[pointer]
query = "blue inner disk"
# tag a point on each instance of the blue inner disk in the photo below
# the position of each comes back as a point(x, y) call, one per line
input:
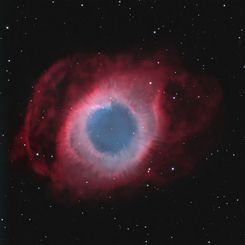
point(111, 128)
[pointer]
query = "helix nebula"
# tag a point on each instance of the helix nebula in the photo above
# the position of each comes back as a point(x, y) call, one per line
point(103, 124)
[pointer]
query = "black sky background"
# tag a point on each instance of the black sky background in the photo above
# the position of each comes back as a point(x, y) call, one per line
point(207, 207)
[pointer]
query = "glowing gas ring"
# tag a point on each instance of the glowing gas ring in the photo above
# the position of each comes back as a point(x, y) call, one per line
point(97, 123)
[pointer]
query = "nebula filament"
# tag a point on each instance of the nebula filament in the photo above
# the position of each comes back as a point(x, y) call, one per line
point(96, 124)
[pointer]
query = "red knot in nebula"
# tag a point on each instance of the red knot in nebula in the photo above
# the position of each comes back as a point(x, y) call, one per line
point(99, 124)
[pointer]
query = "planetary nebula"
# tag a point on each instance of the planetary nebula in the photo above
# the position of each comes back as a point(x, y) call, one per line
point(97, 124)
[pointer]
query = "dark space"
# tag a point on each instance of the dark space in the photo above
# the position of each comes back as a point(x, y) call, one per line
point(206, 207)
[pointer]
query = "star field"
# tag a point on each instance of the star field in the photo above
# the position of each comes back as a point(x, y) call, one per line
point(206, 207)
